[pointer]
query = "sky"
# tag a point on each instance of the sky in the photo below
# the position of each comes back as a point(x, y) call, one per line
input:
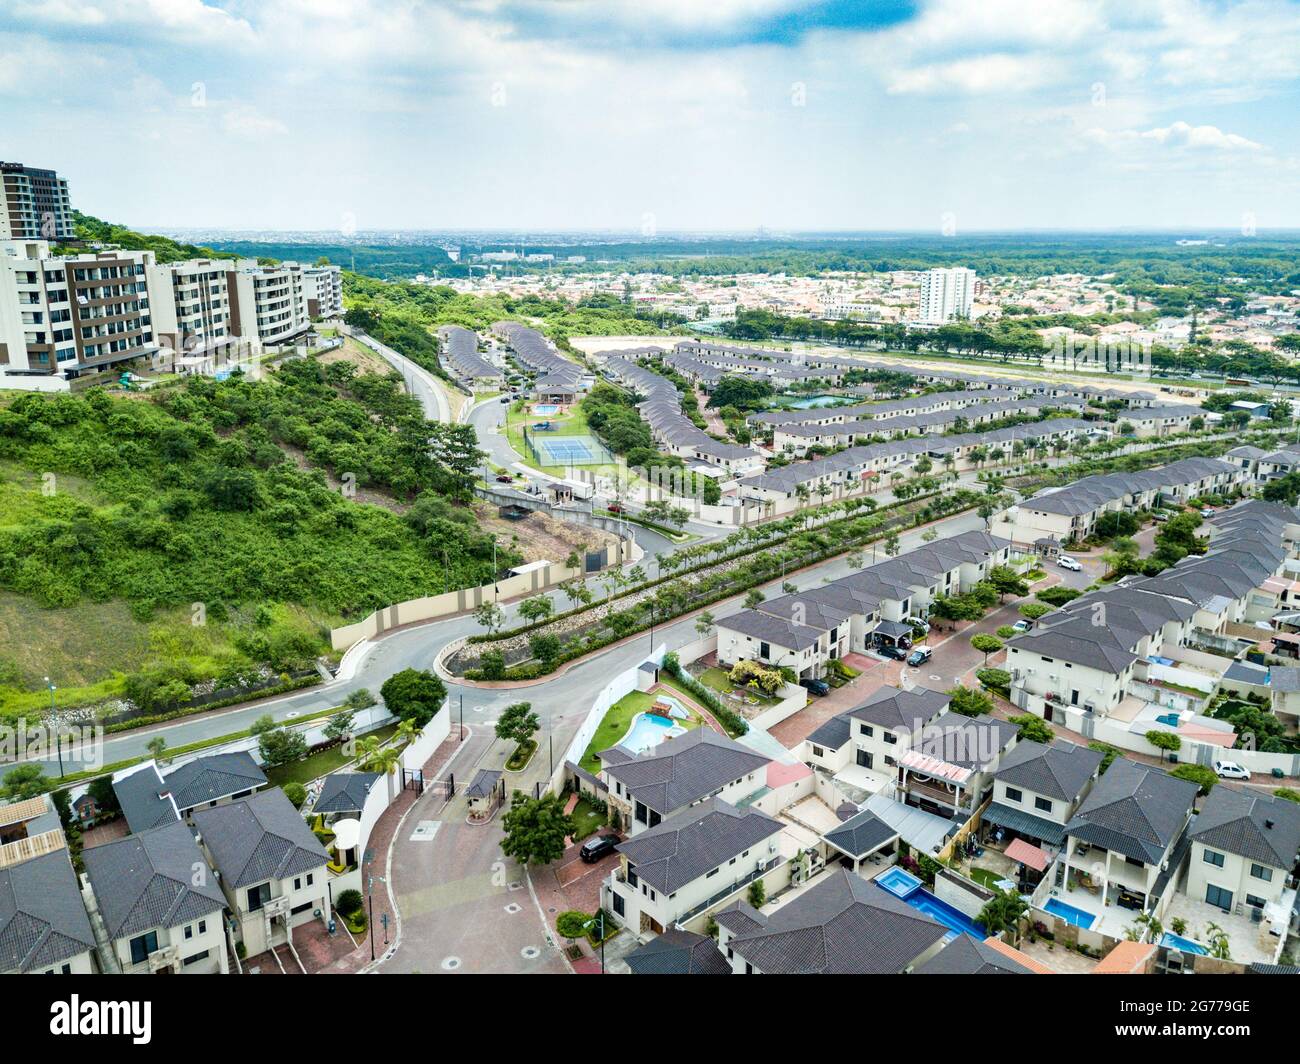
point(651, 116)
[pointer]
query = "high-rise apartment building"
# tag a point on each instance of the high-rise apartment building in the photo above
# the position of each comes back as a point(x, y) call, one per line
point(946, 294)
point(267, 303)
point(34, 204)
point(190, 302)
point(322, 287)
point(69, 316)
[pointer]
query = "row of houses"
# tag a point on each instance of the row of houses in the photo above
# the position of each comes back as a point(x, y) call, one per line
point(558, 380)
point(1070, 514)
point(661, 409)
point(874, 606)
point(460, 355)
point(217, 866)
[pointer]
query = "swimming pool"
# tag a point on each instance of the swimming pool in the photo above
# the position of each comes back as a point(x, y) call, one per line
point(1069, 913)
point(898, 881)
point(545, 408)
point(902, 884)
point(813, 402)
point(648, 731)
point(1186, 945)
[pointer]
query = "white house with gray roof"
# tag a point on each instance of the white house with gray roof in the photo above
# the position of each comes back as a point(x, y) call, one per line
point(272, 868)
point(691, 862)
point(1245, 847)
point(680, 772)
point(159, 901)
point(1037, 789)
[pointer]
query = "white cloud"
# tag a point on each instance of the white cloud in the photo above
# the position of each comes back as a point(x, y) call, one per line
point(1176, 135)
point(981, 74)
point(242, 120)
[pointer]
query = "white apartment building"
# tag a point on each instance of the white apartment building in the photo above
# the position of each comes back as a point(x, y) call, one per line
point(33, 204)
point(322, 288)
point(190, 302)
point(67, 316)
point(268, 303)
point(946, 294)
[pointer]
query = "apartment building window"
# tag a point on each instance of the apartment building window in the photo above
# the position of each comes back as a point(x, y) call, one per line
point(142, 946)
point(1213, 857)
point(1259, 871)
point(1045, 804)
point(710, 875)
point(1014, 795)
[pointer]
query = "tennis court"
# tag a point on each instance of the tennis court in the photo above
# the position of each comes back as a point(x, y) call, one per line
point(569, 450)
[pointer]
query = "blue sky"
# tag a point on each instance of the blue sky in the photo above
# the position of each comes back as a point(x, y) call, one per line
point(660, 115)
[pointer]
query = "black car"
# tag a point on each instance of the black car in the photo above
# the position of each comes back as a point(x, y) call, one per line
point(594, 849)
point(816, 687)
point(897, 653)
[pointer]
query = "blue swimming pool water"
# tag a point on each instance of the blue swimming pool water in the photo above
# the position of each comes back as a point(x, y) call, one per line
point(813, 402)
point(648, 731)
point(1069, 913)
point(1186, 945)
point(546, 408)
point(898, 881)
point(957, 921)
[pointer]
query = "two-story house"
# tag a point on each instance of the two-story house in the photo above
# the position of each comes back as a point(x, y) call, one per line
point(873, 734)
point(949, 770)
point(647, 789)
point(1037, 789)
point(272, 867)
point(1245, 846)
point(689, 863)
point(159, 901)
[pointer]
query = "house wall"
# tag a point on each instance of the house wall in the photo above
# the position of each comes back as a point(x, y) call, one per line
point(1059, 813)
point(81, 964)
point(211, 939)
point(1235, 876)
point(252, 925)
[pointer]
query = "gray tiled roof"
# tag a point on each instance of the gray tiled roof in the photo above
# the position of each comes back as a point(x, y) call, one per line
point(1135, 810)
point(888, 707)
point(842, 926)
point(205, 779)
point(965, 955)
point(42, 918)
point(968, 742)
point(344, 792)
point(1008, 816)
point(1256, 826)
point(860, 834)
point(144, 799)
point(771, 629)
point(485, 781)
point(685, 769)
point(149, 880)
point(1060, 770)
point(695, 841)
point(678, 952)
point(259, 838)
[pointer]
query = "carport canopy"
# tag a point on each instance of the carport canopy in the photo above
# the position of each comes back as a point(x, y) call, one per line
point(1027, 854)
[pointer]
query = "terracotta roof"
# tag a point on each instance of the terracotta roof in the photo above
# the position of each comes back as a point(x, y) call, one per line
point(1128, 958)
point(1037, 967)
point(1020, 850)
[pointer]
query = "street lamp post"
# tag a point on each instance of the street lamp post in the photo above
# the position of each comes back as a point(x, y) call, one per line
point(602, 937)
point(58, 735)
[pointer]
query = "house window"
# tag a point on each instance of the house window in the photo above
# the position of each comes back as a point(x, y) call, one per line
point(864, 758)
point(203, 927)
point(1045, 804)
point(311, 876)
point(710, 875)
point(194, 958)
point(189, 931)
point(1014, 795)
point(297, 883)
point(618, 904)
point(1263, 872)
point(1220, 897)
point(642, 814)
point(632, 876)
point(1213, 857)
point(142, 946)
point(764, 650)
point(1134, 862)
point(890, 738)
point(258, 896)
point(1258, 903)
point(866, 729)
point(818, 752)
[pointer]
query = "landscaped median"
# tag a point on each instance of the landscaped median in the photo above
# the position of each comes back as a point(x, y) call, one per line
point(717, 570)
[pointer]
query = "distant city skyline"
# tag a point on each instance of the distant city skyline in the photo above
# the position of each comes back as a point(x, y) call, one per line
point(800, 116)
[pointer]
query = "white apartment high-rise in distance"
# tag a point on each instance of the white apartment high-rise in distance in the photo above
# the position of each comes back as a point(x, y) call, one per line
point(946, 294)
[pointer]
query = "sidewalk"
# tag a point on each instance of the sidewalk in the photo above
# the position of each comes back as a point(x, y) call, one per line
point(377, 846)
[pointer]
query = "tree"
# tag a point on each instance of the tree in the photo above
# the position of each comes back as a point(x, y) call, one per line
point(1059, 595)
point(1202, 775)
point(969, 702)
point(1033, 728)
point(295, 792)
point(517, 723)
point(1003, 912)
point(414, 694)
point(572, 924)
point(102, 794)
point(535, 609)
point(1165, 742)
point(23, 782)
point(994, 679)
point(490, 616)
point(158, 745)
point(1217, 939)
point(535, 829)
point(279, 746)
point(340, 725)
point(986, 644)
point(373, 756)
point(704, 624)
point(892, 546)
point(753, 599)
point(1007, 581)
point(757, 893)
point(1033, 610)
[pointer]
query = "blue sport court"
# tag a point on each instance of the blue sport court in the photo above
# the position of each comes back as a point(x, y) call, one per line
point(569, 450)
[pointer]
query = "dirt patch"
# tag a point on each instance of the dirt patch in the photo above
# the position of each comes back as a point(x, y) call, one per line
point(363, 358)
point(539, 537)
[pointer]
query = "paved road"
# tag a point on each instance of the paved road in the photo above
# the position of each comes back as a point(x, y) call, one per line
point(419, 381)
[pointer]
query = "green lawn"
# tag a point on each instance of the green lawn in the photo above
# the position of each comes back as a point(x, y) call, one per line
point(716, 678)
point(321, 764)
point(586, 820)
point(984, 877)
point(619, 718)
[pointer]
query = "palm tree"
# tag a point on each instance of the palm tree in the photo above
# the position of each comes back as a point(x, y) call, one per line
point(375, 758)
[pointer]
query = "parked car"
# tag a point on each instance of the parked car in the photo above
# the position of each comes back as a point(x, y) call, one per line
point(505, 478)
point(919, 656)
point(1066, 562)
point(1023, 625)
point(897, 653)
point(594, 849)
point(1230, 770)
point(919, 622)
point(815, 687)
point(615, 508)
point(1207, 512)
point(505, 399)
point(1160, 515)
